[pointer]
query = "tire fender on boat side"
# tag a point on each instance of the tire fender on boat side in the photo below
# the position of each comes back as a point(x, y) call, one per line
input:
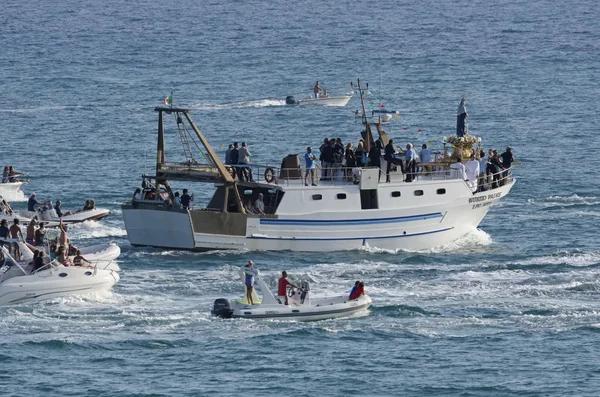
point(270, 175)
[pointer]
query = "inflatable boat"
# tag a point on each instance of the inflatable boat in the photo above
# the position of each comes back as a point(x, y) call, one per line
point(301, 306)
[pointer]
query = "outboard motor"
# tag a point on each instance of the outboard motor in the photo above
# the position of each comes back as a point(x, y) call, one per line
point(290, 100)
point(222, 308)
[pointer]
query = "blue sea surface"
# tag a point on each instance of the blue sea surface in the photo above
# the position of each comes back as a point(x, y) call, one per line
point(509, 310)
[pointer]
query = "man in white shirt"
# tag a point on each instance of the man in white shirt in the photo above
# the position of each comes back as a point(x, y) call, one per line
point(472, 170)
point(259, 205)
point(457, 170)
point(425, 157)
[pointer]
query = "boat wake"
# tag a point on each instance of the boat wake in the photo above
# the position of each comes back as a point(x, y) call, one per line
point(14, 196)
point(258, 103)
point(91, 229)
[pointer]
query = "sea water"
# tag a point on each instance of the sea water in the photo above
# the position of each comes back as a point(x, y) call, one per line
point(511, 309)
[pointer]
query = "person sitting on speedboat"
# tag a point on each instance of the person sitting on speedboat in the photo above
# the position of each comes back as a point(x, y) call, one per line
point(39, 261)
point(32, 202)
point(6, 175)
point(360, 290)
point(354, 288)
point(79, 260)
point(282, 286)
point(59, 212)
point(62, 256)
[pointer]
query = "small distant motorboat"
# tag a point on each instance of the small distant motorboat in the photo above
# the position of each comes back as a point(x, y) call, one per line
point(18, 284)
point(341, 100)
point(46, 213)
point(301, 305)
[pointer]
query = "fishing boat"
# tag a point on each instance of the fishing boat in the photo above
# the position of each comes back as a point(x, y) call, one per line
point(341, 100)
point(299, 305)
point(353, 209)
point(19, 284)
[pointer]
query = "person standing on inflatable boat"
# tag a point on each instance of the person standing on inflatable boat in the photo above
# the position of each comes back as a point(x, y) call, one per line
point(249, 281)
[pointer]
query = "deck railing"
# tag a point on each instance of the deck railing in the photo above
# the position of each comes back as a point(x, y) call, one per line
point(340, 175)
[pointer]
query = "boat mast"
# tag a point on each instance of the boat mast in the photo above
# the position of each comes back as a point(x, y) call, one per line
point(369, 136)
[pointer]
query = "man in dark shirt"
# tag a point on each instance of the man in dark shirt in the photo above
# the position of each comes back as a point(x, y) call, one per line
point(59, 212)
point(327, 159)
point(185, 200)
point(389, 153)
point(507, 157)
point(3, 231)
point(495, 166)
point(375, 158)
point(32, 202)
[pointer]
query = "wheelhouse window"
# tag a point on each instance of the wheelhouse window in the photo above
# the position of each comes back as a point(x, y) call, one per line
point(441, 191)
point(341, 196)
point(396, 194)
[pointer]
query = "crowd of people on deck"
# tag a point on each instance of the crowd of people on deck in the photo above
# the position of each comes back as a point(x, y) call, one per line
point(239, 159)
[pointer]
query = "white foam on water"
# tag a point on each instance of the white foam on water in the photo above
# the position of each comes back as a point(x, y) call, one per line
point(475, 240)
point(259, 103)
point(565, 201)
point(581, 259)
point(14, 196)
point(95, 229)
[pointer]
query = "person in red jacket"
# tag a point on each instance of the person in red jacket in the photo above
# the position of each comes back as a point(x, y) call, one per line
point(282, 286)
point(360, 290)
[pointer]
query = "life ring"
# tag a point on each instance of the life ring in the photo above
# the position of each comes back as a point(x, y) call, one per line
point(270, 175)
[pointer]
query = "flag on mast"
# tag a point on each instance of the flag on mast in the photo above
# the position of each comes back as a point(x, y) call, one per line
point(169, 100)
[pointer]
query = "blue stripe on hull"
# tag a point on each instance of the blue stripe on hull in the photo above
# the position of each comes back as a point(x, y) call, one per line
point(350, 238)
point(337, 222)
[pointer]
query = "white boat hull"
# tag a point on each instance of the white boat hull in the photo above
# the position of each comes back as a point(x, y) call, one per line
point(329, 101)
point(412, 227)
point(77, 217)
point(339, 307)
point(51, 283)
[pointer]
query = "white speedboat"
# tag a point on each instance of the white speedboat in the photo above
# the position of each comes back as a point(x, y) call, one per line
point(47, 213)
point(10, 189)
point(301, 305)
point(19, 285)
point(341, 100)
point(101, 255)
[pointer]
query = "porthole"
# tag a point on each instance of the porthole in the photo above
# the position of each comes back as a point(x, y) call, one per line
point(88, 273)
point(441, 191)
point(418, 192)
point(395, 194)
point(62, 274)
point(341, 196)
point(317, 196)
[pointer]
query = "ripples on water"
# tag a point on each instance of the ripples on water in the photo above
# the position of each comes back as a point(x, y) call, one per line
point(510, 309)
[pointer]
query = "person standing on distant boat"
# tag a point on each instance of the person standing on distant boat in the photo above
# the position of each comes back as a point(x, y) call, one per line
point(317, 90)
point(461, 119)
point(249, 281)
